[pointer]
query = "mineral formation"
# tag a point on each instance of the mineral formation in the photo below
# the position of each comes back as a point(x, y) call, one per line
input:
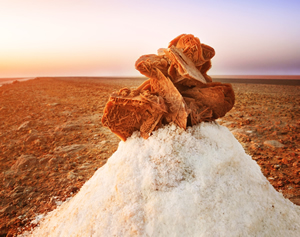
point(178, 90)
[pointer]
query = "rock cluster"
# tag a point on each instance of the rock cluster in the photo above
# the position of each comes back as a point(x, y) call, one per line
point(178, 90)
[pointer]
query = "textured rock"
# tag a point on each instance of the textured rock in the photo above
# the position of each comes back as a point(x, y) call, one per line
point(68, 127)
point(72, 175)
point(25, 162)
point(56, 160)
point(178, 91)
point(69, 149)
point(25, 125)
point(273, 143)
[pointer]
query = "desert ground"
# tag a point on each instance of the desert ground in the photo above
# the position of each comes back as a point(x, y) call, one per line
point(52, 140)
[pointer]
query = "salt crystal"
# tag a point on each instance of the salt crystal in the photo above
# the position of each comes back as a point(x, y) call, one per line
point(198, 182)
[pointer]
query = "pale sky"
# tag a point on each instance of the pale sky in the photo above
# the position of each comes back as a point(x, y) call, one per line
point(105, 38)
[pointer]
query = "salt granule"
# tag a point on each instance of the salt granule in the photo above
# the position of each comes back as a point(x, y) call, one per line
point(198, 182)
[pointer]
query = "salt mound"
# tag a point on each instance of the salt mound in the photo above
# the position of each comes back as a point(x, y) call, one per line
point(198, 182)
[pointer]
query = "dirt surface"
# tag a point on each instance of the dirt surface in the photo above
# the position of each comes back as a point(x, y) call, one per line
point(52, 140)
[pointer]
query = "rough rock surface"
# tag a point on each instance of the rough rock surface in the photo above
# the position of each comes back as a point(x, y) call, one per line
point(178, 91)
point(274, 144)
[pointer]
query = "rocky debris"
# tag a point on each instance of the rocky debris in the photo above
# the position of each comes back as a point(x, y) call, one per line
point(271, 108)
point(33, 138)
point(85, 166)
point(25, 125)
point(71, 175)
point(53, 104)
point(240, 132)
point(69, 149)
point(68, 127)
point(296, 200)
point(44, 159)
point(25, 162)
point(274, 144)
point(56, 160)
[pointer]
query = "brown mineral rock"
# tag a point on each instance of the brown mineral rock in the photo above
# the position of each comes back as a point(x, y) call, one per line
point(199, 54)
point(178, 91)
point(183, 66)
point(128, 111)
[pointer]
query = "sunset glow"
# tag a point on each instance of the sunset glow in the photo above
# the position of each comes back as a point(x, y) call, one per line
point(105, 38)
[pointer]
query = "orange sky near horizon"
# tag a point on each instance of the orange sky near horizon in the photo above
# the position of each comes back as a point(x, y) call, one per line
point(105, 38)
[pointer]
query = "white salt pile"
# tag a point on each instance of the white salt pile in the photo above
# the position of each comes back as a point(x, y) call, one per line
point(197, 182)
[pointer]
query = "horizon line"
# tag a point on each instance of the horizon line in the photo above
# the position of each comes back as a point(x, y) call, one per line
point(224, 76)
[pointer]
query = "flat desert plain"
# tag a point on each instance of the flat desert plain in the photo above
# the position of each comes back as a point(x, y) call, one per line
point(52, 140)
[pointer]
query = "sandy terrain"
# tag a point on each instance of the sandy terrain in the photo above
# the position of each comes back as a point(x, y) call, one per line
point(52, 140)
